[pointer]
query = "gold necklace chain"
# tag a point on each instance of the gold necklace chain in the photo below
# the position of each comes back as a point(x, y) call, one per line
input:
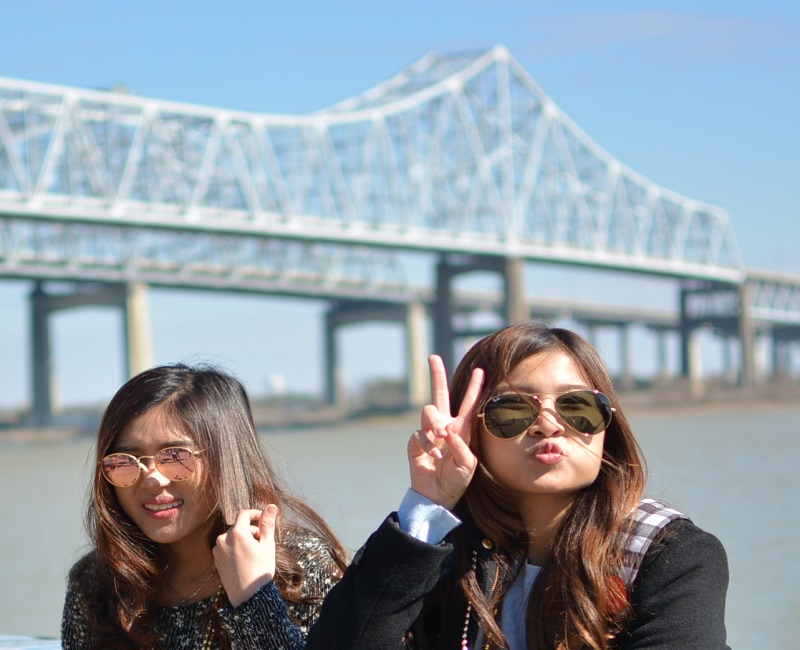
point(185, 601)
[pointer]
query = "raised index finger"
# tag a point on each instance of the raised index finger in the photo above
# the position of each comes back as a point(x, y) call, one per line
point(441, 395)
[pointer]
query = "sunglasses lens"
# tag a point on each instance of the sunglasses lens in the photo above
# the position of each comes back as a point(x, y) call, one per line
point(175, 463)
point(507, 416)
point(121, 470)
point(585, 411)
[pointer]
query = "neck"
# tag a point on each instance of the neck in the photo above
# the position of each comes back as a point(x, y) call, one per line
point(188, 572)
point(542, 515)
point(189, 556)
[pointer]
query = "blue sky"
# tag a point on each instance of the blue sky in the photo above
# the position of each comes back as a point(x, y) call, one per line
point(700, 97)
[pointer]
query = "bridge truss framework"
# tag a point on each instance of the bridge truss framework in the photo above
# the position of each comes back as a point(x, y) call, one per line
point(461, 157)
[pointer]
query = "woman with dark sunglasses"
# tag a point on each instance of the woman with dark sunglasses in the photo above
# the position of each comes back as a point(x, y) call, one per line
point(177, 560)
point(526, 527)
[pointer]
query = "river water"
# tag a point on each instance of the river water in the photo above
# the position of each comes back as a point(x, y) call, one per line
point(732, 469)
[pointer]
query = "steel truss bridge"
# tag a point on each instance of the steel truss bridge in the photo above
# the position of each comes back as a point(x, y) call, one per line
point(463, 158)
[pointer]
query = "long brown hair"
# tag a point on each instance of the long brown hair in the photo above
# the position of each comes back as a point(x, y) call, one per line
point(577, 600)
point(213, 409)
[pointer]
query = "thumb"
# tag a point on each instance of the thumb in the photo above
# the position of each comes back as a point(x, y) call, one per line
point(266, 523)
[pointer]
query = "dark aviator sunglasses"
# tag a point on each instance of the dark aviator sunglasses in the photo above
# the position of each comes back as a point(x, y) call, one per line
point(585, 411)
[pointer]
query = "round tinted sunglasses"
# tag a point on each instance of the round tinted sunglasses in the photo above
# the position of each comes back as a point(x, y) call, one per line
point(173, 463)
point(585, 411)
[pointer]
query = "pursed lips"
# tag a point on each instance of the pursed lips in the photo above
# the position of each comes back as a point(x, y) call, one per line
point(547, 452)
point(546, 447)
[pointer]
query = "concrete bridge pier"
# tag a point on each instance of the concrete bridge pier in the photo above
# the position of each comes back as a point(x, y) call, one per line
point(726, 308)
point(449, 266)
point(419, 384)
point(783, 339)
point(626, 379)
point(662, 358)
point(730, 372)
point(781, 358)
point(41, 413)
point(131, 298)
point(412, 316)
point(686, 329)
point(137, 333)
point(747, 336)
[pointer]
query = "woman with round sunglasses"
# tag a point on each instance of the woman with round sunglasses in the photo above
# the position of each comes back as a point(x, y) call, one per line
point(525, 526)
point(195, 543)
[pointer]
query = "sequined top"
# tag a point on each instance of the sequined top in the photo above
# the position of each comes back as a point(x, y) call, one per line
point(263, 621)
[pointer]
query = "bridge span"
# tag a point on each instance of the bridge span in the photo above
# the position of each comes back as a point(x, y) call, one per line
point(463, 159)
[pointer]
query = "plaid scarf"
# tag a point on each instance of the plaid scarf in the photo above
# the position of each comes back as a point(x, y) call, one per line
point(650, 518)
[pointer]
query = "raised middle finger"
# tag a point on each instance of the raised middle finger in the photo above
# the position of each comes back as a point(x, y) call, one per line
point(472, 394)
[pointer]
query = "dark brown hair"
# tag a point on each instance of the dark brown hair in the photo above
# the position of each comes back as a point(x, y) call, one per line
point(213, 409)
point(575, 602)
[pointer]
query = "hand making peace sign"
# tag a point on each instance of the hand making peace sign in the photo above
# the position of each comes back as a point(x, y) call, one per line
point(439, 458)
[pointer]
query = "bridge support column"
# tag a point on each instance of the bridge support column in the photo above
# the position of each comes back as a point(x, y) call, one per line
point(685, 332)
point(411, 316)
point(416, 347)
point(730, 372)
point(747, 335)
point(781, 359)
point(691, 357)
point(138, 343)
point(515, 304)
point(726, 308)
point(443, 330)
point(131, 299)
point(696, 384)
point(335, 393)
point(784, 340)
point(41, 413)
point(662, 368)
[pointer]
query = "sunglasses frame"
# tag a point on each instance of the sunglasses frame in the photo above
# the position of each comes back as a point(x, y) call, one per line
point(602, 398)
point(140, 465)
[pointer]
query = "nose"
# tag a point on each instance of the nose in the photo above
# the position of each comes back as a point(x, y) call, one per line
point(548, 423)
point(152, 476)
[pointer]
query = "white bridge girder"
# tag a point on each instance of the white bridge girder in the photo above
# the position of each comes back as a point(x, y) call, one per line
point(454, 154)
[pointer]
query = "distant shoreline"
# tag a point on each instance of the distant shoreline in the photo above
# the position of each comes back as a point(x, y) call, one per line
point(652, 401)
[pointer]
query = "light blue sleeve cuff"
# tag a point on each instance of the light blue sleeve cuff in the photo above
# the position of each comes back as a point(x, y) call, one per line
point(423, 519)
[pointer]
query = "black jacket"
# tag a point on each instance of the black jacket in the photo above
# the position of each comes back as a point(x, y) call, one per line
point(678, 597)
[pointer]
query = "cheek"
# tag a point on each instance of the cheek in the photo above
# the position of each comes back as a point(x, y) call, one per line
point(203, 492)
point(201, 481)
point(125, 499)
point(496, 454)
point(593, 458)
